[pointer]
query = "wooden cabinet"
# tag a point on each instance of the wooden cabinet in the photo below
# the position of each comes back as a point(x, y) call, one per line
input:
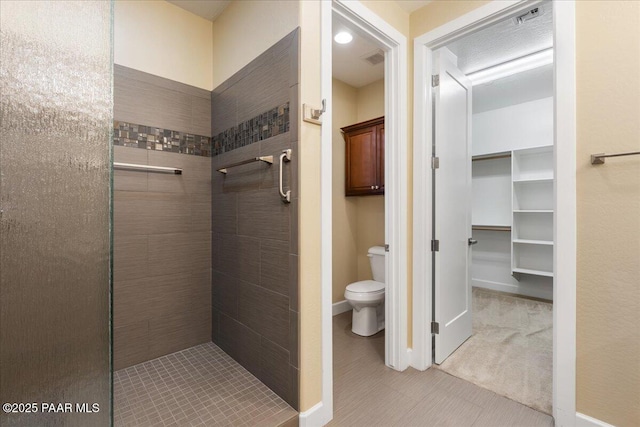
point(364, 172)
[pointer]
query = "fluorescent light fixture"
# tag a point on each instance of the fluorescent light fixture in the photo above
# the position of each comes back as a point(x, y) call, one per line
point(524, 63)
point(343, 37)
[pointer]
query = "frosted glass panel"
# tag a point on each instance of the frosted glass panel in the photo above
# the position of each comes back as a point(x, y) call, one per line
point(55, 173)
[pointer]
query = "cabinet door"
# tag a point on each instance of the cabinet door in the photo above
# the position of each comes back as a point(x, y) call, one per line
point(361, 164)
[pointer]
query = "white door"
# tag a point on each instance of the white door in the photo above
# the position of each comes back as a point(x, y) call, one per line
point(452, 209)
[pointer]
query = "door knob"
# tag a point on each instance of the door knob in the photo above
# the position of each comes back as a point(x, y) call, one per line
point(472, 241)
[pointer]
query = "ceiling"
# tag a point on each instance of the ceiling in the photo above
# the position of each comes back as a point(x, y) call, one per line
point(412, 5)
point(348, 63)
point(209, 9)
point(504, 41)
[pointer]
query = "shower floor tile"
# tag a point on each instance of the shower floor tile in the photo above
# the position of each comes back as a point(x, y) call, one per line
point(199, 386)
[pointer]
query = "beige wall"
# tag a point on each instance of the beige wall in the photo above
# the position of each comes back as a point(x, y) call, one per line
point(358, 222)
point(246, 29)
point(608, 345)
point(309, 211)
point(160, 38)
point(370, 218)
point(345, 209)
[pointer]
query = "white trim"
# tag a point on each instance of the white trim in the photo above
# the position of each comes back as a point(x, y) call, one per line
point(326, 218)
point(341, 307)
point(313, 417)
point(564, 374)
point(395, 45)
point(526, 289)
point(564, 224)
point(583, 420)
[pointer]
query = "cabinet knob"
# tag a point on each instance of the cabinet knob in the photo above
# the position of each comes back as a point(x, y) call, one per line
point(373, 187)
point(377, 187)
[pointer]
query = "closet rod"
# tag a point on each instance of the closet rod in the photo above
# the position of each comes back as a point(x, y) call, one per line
point(491, 157)
point(491, 227)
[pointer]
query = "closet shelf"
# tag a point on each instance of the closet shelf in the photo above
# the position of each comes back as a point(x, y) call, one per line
point(534, 242)
point(533, 211)
point(534, 272)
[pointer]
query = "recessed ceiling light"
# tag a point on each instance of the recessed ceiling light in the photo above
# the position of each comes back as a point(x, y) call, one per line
point(343, 37)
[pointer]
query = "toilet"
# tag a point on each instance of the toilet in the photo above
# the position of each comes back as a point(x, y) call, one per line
point(367, 297)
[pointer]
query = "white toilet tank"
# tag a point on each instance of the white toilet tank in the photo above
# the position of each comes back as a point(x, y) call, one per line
point(376, 258)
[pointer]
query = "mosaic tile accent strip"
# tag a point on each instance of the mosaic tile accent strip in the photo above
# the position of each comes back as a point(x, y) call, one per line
point(263, 126)
point(153, 138)
point(201, 385)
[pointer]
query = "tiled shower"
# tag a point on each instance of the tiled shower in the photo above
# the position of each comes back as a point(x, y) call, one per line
point(205, 263)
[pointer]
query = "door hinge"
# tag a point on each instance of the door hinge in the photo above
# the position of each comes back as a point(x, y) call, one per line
point(435, 245)
point(435, 80)
point(435, 327)
point(386, 248)
point(435, 162)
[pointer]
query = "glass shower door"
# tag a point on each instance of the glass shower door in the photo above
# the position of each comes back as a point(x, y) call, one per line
point(55, 220)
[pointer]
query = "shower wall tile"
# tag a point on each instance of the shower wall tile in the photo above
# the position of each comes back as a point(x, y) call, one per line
point(162, 224)
point(225, 293)
point(224, 219)
point(274, 266)
point(265, 312)
point(293, 282)
point(173, 333)
point(255, 277)
point(293, 339)
point(130, 344)
point(153, 138)
point(247, 348)
point(262, 214)
point(238, 256)
point(274, 367)
point(155, 101)
point(127, 180)
point(130, 255)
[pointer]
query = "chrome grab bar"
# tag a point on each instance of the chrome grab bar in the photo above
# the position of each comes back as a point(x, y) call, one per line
point(176, 171)
point(598, 159)
point(284, 157)
point(266, 159)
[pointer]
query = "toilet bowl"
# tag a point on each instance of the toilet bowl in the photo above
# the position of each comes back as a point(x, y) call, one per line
point(367, 297)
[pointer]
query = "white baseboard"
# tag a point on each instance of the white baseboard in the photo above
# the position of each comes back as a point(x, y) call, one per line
point(583, 420)
point(530, 291)
point(313, 417)
point(340, 307)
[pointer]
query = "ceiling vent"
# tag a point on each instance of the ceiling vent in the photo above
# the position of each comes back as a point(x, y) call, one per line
point(374, 58)
point(532, 14)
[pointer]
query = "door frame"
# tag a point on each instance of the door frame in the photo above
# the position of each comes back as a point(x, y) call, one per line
point(564, 304)
point(395, 46)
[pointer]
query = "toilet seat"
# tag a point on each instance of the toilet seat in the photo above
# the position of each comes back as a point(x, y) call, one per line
point(365, 290)
point(366, 286)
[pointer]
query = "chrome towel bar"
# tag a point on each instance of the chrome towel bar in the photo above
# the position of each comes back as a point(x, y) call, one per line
point(598, 159)
point(266, 159)
point(176, 171)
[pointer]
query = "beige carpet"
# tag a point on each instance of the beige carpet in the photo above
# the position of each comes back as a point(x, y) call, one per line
point(510, 351)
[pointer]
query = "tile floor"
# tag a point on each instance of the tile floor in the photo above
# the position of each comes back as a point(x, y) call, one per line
point(367, 393)
point(199, 386)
